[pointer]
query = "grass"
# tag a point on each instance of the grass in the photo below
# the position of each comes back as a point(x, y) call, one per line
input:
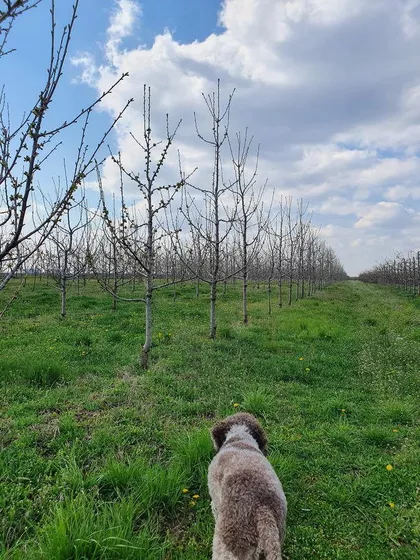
point(101, 460)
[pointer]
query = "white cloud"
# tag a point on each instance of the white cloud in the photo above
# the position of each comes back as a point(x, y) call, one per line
point(86, 62)
point(121, 25)
point(330, 88)
point(401, 192)
point(389, 215)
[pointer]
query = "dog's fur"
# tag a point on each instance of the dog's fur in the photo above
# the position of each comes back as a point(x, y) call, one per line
point(248, 501)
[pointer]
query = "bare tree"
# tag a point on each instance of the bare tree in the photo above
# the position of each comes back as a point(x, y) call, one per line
point(250, 221)
point(140, 236)
point(208, 216)
point(25, 148)
point(271, 257)
point(302, 235)
point(67, 246)
point(277, 234)
point(108, 260)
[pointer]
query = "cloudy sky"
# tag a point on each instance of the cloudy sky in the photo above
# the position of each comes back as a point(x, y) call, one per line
point(329, 88)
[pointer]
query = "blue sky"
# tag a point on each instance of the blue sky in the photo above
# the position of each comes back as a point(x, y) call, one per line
point(188, 21)
point(331, 90)
point(24, 70)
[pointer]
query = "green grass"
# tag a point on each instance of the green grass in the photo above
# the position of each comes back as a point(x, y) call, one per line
point(100, 460)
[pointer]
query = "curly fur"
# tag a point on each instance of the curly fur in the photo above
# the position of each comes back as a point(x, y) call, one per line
point(248, 501)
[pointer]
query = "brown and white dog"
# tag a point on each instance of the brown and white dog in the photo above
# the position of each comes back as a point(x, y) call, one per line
point(248, 501)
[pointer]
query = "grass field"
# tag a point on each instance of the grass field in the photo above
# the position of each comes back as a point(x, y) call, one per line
point(100, 460)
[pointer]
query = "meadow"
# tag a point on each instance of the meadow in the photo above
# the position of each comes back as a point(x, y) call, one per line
point(101, 460)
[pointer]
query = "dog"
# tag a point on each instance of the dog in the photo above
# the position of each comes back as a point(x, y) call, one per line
point(248, 502)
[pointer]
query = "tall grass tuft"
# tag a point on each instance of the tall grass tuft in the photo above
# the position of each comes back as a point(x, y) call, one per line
point(81, 529)
point(155, 487)
point(192, 454)
point(38, 372)
point(258, 402)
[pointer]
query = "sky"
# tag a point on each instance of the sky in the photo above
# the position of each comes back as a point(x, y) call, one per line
point(330, 89)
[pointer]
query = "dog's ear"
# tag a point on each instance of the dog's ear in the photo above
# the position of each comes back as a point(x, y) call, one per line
point(218, 434)
point(257, 432)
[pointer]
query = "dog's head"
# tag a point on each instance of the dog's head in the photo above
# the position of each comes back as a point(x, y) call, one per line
point(220, 430)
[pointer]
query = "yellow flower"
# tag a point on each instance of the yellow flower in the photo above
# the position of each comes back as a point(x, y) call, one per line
point(185, 490)
point(192, 503)
point(300, 359)
point(395, 431)
point(391, 505)
point(343, 410)
point(235, 405)
point(196, 496)
point(389, 467)
point(307, 369)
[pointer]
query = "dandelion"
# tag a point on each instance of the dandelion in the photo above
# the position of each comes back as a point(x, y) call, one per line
point(389, 467)
point(196, 496)
point(343, 410)
point(192, 503)
point(185, 490)
point(300, 359)
point(235, 405)
point(391, 505)
point(395, 431)
point(307, 369)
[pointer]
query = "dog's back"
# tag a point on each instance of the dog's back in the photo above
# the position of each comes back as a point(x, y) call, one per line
point(248, 501)
point(252, 515)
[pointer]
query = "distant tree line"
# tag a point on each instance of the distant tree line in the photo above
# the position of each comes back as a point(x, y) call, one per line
point(401, 271)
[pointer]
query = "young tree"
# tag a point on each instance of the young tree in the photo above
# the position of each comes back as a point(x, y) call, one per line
point(140, 236)
point(67, 246)
point(24, 149)
point(209, 218)
point(302, 235)
point(108, 260)
point(250, 220)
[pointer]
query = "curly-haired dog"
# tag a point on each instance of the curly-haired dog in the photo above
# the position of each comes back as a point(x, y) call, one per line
point(248, 501)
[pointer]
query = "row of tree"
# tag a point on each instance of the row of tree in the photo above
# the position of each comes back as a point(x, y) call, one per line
point(219, 227)
point(401, 271)
point(287, 258)
point(213, 233)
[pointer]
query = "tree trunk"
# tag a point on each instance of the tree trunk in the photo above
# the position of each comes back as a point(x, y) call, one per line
point(148, 341)
point(245, 274)
point(213, 295)
point(63, 291)
point(290, 289)
point(245, 299)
